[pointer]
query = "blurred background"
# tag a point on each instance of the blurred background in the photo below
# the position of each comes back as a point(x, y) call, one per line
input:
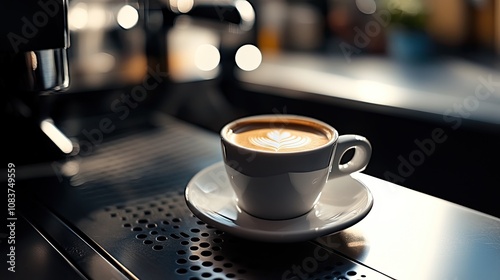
point(419, 78)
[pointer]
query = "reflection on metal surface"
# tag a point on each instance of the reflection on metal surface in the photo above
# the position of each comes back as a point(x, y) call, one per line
point(61, 141)
point(410, 235)
point(34, 61)
point(52, 69)
point(350, 241)
point(36, 71)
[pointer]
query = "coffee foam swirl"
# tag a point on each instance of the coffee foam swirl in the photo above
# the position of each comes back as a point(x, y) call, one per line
point(292, 136)
point(276, 140)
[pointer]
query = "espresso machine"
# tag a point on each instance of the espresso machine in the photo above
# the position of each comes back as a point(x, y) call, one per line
point(33, 63)
point(63, 62)
point(98, 100)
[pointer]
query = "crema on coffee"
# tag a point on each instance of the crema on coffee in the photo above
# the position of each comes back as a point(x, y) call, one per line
point(269, 136)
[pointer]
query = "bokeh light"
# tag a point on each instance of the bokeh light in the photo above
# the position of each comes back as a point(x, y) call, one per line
point(206, 57)
point(248, 57)
point(127, 17)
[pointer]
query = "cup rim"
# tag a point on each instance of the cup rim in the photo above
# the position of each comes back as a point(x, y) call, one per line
point(224, 131)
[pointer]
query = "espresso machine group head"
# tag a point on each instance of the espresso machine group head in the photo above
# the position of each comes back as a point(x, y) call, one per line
point(33, 42)
point(34, 39)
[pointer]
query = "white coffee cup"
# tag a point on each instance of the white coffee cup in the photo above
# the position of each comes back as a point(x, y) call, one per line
point(279, 164)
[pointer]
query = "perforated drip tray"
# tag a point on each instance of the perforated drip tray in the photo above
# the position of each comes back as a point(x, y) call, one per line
point(132, 221)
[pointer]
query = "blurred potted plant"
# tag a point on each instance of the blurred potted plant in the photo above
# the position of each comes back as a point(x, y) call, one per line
point(407, 37)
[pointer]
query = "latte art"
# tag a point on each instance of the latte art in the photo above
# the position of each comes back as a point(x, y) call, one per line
point(277, 140)
point(293, 136)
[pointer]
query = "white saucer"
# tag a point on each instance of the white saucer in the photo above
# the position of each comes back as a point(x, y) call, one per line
point(344, 202)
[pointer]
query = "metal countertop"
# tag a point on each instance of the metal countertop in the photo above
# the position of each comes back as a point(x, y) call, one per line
point(123, 215)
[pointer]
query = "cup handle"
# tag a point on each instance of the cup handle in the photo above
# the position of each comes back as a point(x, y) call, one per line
point(359, 161)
